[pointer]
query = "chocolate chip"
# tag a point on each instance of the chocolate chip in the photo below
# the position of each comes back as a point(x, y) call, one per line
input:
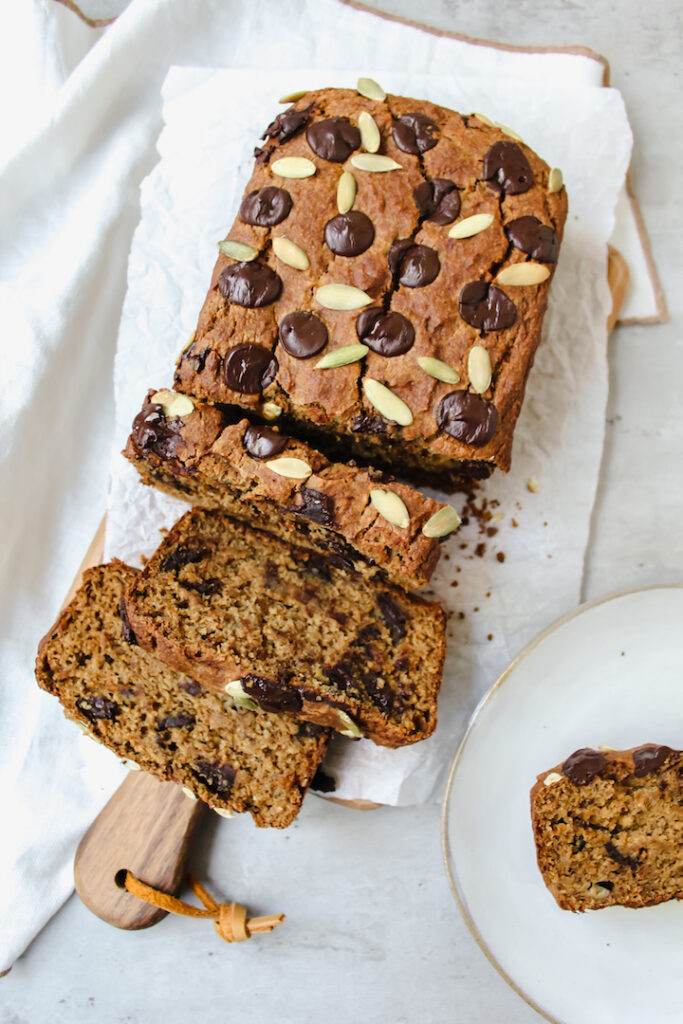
point(152, 432)
point(266, 206)
point(415, 133)
point(537, 239)
point(316, 506)
point(263, 443)
point(262, 154)
point(184, 554)
point(393, 615)
point(349, 234)
point(270, 694)
point(333, 139)
point(365, 423)
point(216, 777)
point(583, 765)
point(98, 708)
point(175, 722)
point(486, 307)
point(381, 696)
point(249, 284)
point(128, 634)
point(248, 368)
point(438, 201)
point(389, 334)
point(204, 587)
point(467, 417)
point(288, 124)
point(413, 266)
point(648, 759)
point(323, 783)
point(302, 334)
point(507, 170)
point(342, 676)
point(621, 858)
point(190, 686)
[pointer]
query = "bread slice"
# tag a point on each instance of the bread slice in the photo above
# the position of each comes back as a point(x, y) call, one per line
point(239, 608)
point(608, 826)
point(195, 451)
point(232, 758)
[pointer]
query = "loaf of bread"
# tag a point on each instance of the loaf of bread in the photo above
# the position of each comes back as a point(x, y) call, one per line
point(243, 612)
point(233, 758)
point(357, 517)
point(384, 283)
point(608, 826)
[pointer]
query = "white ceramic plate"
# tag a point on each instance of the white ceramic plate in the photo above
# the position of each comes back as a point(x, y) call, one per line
point(611, 673)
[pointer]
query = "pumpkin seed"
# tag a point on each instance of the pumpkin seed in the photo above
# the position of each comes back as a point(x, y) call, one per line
point(374, 162)
point(293, 167)
point(350, 727)
point(479, 368)
point(236, 691)
point(471, 225)
point(290, 253)
point(172, 403)
point(241, 251)
point(292, 97)
point(387, 403)
point(523, 273)
point(293, 469)
point(342, 357)
point(390, 507)
point(442, 522)
point(440, 371)
point(369, 132)
point(188, 793)
point(346, 192)
point(342, 296)
point(224, 812)
point(555, 180)
point(552, 777)
point(371, 89)
point(485, 120)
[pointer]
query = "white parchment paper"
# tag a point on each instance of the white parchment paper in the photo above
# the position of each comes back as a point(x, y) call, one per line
point(531, 568)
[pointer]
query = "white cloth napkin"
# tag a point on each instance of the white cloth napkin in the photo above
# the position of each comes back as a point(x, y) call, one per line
point(69, 203)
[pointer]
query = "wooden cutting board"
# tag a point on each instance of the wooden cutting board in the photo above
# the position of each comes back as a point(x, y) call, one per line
point(147, 826)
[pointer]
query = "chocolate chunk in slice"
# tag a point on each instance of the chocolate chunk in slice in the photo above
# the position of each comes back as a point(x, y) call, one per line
point(394, 616)
point(486, 307)
point(583, 765)
point(184, 554)
point(506, 169)
point(218, 778)
point(270, 694)
point(333, 139)
point(152, 432)
point(388, 334)
point(349, 234)
point(413, 266)
point(249, 284)
point(302, 334)
point(248, 368)
point(263, 443)
point(316, 506)
point(467, 417)
point(265, 207)
point(438, 201)
point(531, 236)
point(415, 133)
point(98, 708)
point(181, 721)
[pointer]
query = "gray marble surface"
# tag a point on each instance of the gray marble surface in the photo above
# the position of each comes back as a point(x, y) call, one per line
point(373, 931)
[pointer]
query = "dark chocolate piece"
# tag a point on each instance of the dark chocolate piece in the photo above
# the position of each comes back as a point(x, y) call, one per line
point(175, 722)
point(467, 417)
point(349, 234)
point(333, 139)
point(97, 708)
point(263, 443)
point(342, 676)
point(204, 587)
point(302, 334)
point(262, 154)
point(249, 284)
point(621, 858)
point(649, 759)
point(537, 239)
point(438, 201)
point(152, 432)
point(288, 124)
point(190, 686)
point(394, 616)
point(184, 554)
point(414, 266)
point(248, 368)
point(381, 696)
point(415, 133)
point(506, 169)
point(583, 765)
point(486, 307)
point(316, 506)
point(126, 628)
point(270, 694)
point(217, 778)
point(389, 334)
point(364, 423)
point(266, 206)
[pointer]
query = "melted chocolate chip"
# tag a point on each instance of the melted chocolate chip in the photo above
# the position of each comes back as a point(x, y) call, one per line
point(333, 139)
point(486, 307)
point(415, 133)
point(126, 629)
point(288, 124)
point(534, 238)
point(438, 201)
point(364, 423)
point(302, 334)
point(621, 858)
point(413, 266)
point(204, 587)
point(175, 722)
point(248, 368)
point(583, 765)
point(381, 696)
point(216, 777)
point(184, 554)
point(262, 154)
point(467, 417)
point(152, 432)
point(342, 676)
point(263, 443)
point(316, 506)
point(648, 759)
point(507, 170)
point(190, 686)
point(97, 708)
point(323, 783)
point(266, 207)
point(249, 284)
point(393, 615)
point(270, 694)
point(349, 234)
point(389, 334)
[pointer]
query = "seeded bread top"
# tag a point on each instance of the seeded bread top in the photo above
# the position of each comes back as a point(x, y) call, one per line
point(444, 252)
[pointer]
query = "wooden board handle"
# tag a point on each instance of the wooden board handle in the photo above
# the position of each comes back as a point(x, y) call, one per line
point(146, 827)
